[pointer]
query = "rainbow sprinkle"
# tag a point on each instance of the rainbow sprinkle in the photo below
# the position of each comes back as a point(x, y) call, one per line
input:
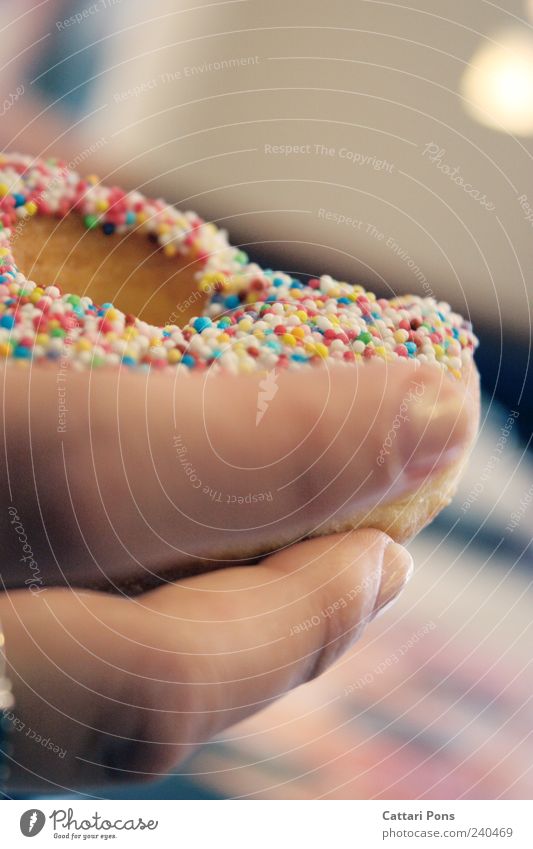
point(255, 319)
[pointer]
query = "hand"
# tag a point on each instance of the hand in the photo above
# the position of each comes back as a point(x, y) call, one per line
point(146, 474)
point(125, 688)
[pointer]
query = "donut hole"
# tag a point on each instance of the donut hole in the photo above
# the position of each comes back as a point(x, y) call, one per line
point(128, 270)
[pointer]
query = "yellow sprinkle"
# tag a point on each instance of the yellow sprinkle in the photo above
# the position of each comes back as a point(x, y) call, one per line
point(298, 332)
point(211, 280)
point(288, 339)
point(5, 349)
point(439, 351)
point(129, 333)
point(302, 315)
point(381, 350)
point(174, 356)
point(53, 323)
point(456, 373)
point(83, 345)
point(170, 249)
point(142, 217)
point(245, 325)
point(4, 251)
point(31, 207)
point(42, 339)
point(112, 314)
point(155, 342)
point(102, 205)
point(401, 336)
point(4, 190)
point(223, 338)
point(310, 347)
point(93, 179)
point(322, 350)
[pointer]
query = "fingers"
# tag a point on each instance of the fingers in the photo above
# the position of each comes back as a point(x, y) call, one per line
point(151, 473)
point(224, 645)
point(123, 689)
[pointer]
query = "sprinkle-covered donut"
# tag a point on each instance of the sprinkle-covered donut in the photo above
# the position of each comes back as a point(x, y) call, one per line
point(253, 319)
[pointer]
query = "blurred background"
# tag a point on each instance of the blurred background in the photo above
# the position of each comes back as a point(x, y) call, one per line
point(387, 144)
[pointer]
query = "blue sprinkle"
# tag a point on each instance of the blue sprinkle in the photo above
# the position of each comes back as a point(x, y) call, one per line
point(274, 344)
point(216, 354)
point(4, 279)
point(232, 301)
point(344, 300)
point(296, 284)
point(411, 348)
point(201, 323)
point(23, 353)
point(131, 218)
point(299, 358)
point(108, 228)
point(107, 306)
point(20, 200)
point(128, 361)
point(7, 321)
point(224, 322)
point(187, 360)
point(278, 281)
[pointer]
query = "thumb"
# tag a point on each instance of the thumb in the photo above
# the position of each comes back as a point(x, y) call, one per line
point(226, 644)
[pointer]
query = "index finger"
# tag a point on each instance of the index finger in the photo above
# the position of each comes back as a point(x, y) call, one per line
point(155, 475)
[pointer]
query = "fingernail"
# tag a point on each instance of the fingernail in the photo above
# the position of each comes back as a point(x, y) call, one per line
point(396, 571)
point(437, 428)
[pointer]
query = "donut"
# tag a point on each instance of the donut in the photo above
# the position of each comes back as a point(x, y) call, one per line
point(99, 277)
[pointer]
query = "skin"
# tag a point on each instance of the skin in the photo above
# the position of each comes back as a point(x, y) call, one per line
point(129, 686)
